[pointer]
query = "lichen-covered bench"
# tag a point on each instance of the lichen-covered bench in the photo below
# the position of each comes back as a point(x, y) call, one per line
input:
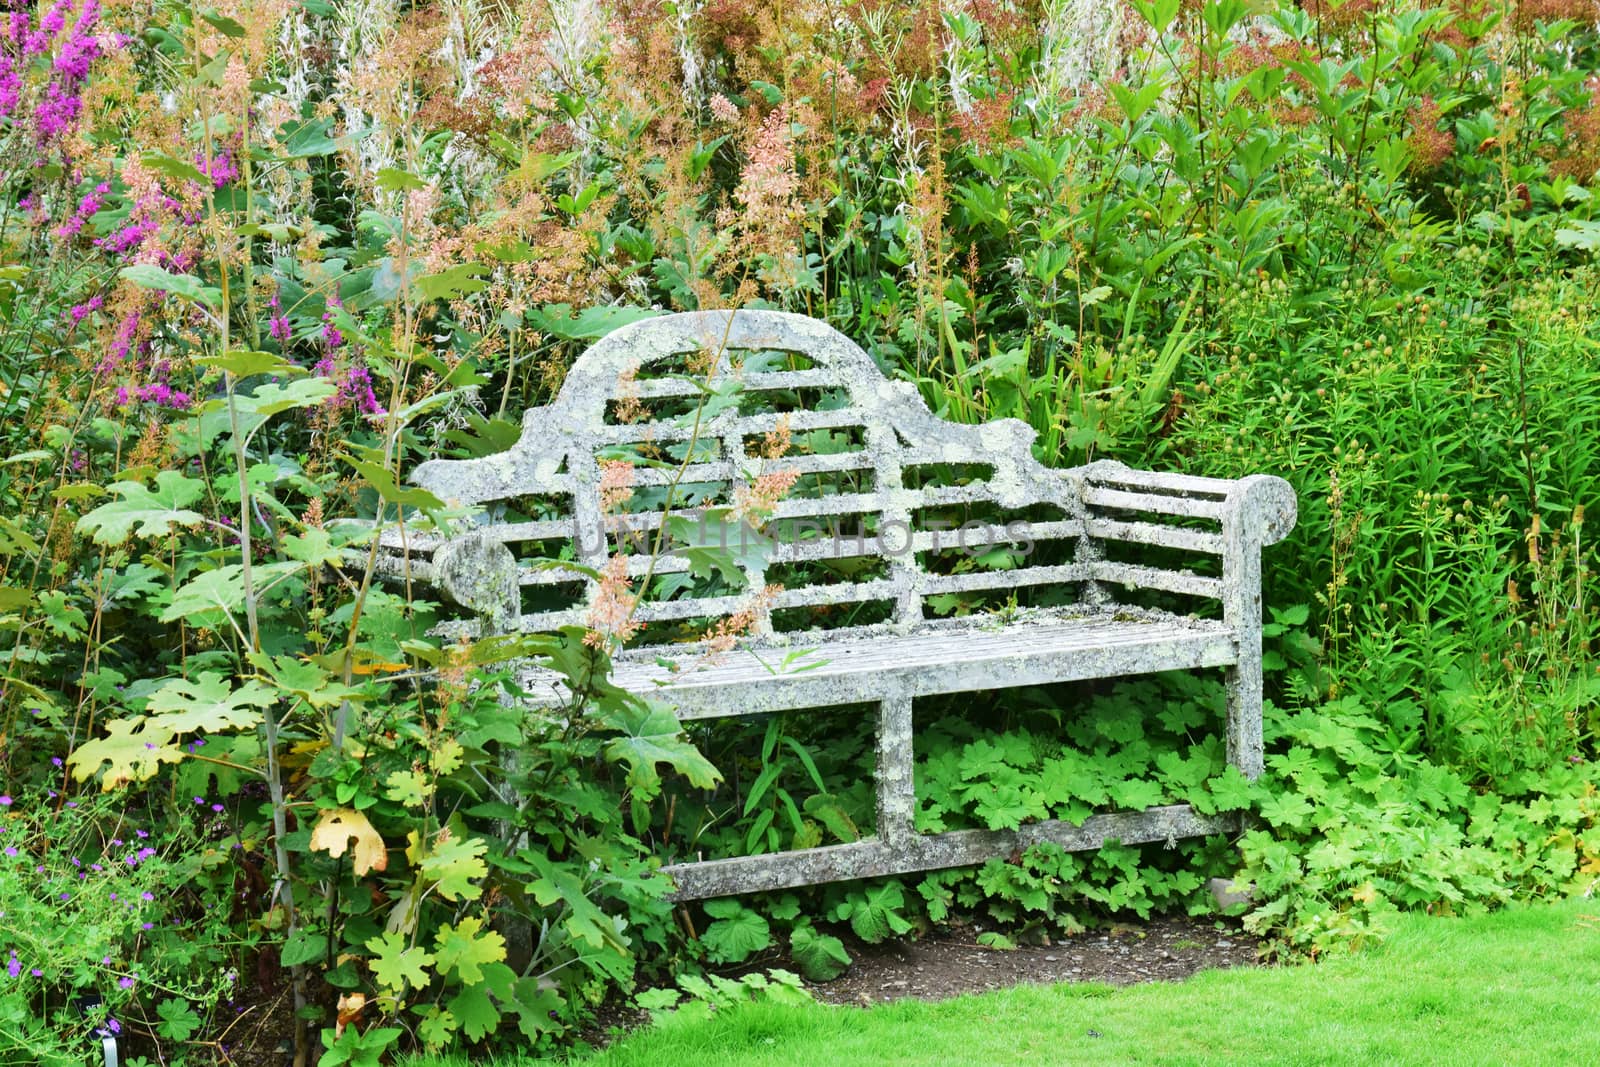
point(1126, 571)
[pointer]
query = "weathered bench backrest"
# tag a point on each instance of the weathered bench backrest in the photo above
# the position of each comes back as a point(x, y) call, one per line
point(863, 497)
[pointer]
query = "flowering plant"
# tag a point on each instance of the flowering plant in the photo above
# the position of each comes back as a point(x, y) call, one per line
point(107, 925)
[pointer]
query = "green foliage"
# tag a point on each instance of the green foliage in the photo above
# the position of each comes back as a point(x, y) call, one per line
point(1357, 252)
point(820, 957)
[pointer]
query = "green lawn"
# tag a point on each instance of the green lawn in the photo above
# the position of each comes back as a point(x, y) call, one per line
point(1518, 987)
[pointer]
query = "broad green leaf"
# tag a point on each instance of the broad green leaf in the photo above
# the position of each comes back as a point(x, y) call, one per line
point(178, 1019)
point(454, 863)
point(139, 511)
point(395, 965)
point(392, 179)
point(172, 168)
point(820, 957)
point(651, 734)
point(210, 704)
point(222, 588)
point(826, 809)
point(535, 1007)
point(225, 25)
point(1136, 794)
point(446, 756)
point(716, 543)
point(590, 324)
point(1581, 234)
point(304, 946)
point(77, 491)
point(383, 481)
point(407, 787)
point(187, 286)
point(460, 280)
point(269, 399)
point(478, 1016)
point(465, 948)
point(737, 932)
point(243, 363)
point(437, 1029)
point(305, 680)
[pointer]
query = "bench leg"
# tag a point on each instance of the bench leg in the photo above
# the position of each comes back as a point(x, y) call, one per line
point(1244, 710)
point(896, 789)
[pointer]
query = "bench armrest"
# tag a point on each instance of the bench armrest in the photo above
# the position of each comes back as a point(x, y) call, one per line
point(1259, 507)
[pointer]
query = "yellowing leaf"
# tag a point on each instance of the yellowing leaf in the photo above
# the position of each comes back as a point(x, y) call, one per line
point(446, 758)
point(408, 788)
point(453, 863)
point(395, 965)
point(338, 827)
point(127, 752)
point(466, 947)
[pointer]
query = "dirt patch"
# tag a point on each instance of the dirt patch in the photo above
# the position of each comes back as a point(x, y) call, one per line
point(951, 962)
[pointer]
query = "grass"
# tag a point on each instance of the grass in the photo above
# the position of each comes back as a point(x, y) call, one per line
point(1521, 986)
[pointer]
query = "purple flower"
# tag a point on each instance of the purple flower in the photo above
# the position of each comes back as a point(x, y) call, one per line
point(126, 982)
point(13, 966)
point(112, 1025)
point(330, 333)
point(216, 807)
point(277, 322)
point(147, 895)
point(5, 801)
point(221, 170)
point(11, 851)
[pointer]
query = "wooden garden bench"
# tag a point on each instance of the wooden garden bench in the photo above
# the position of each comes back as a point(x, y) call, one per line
point(1128, 572)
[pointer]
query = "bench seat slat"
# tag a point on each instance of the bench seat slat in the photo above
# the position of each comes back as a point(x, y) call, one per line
point(960, 656)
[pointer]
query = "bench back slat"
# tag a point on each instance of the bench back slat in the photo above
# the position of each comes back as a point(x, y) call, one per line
point(877, 481)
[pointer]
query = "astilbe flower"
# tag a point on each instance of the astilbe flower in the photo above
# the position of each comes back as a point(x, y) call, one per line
point(1430, 146)
point(610, 619)
point(1579, 157)
point(1528, 12)
point(723, 109)
point(768, 180)
point(755, 502)
point(722, 636)
point(616, 483)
